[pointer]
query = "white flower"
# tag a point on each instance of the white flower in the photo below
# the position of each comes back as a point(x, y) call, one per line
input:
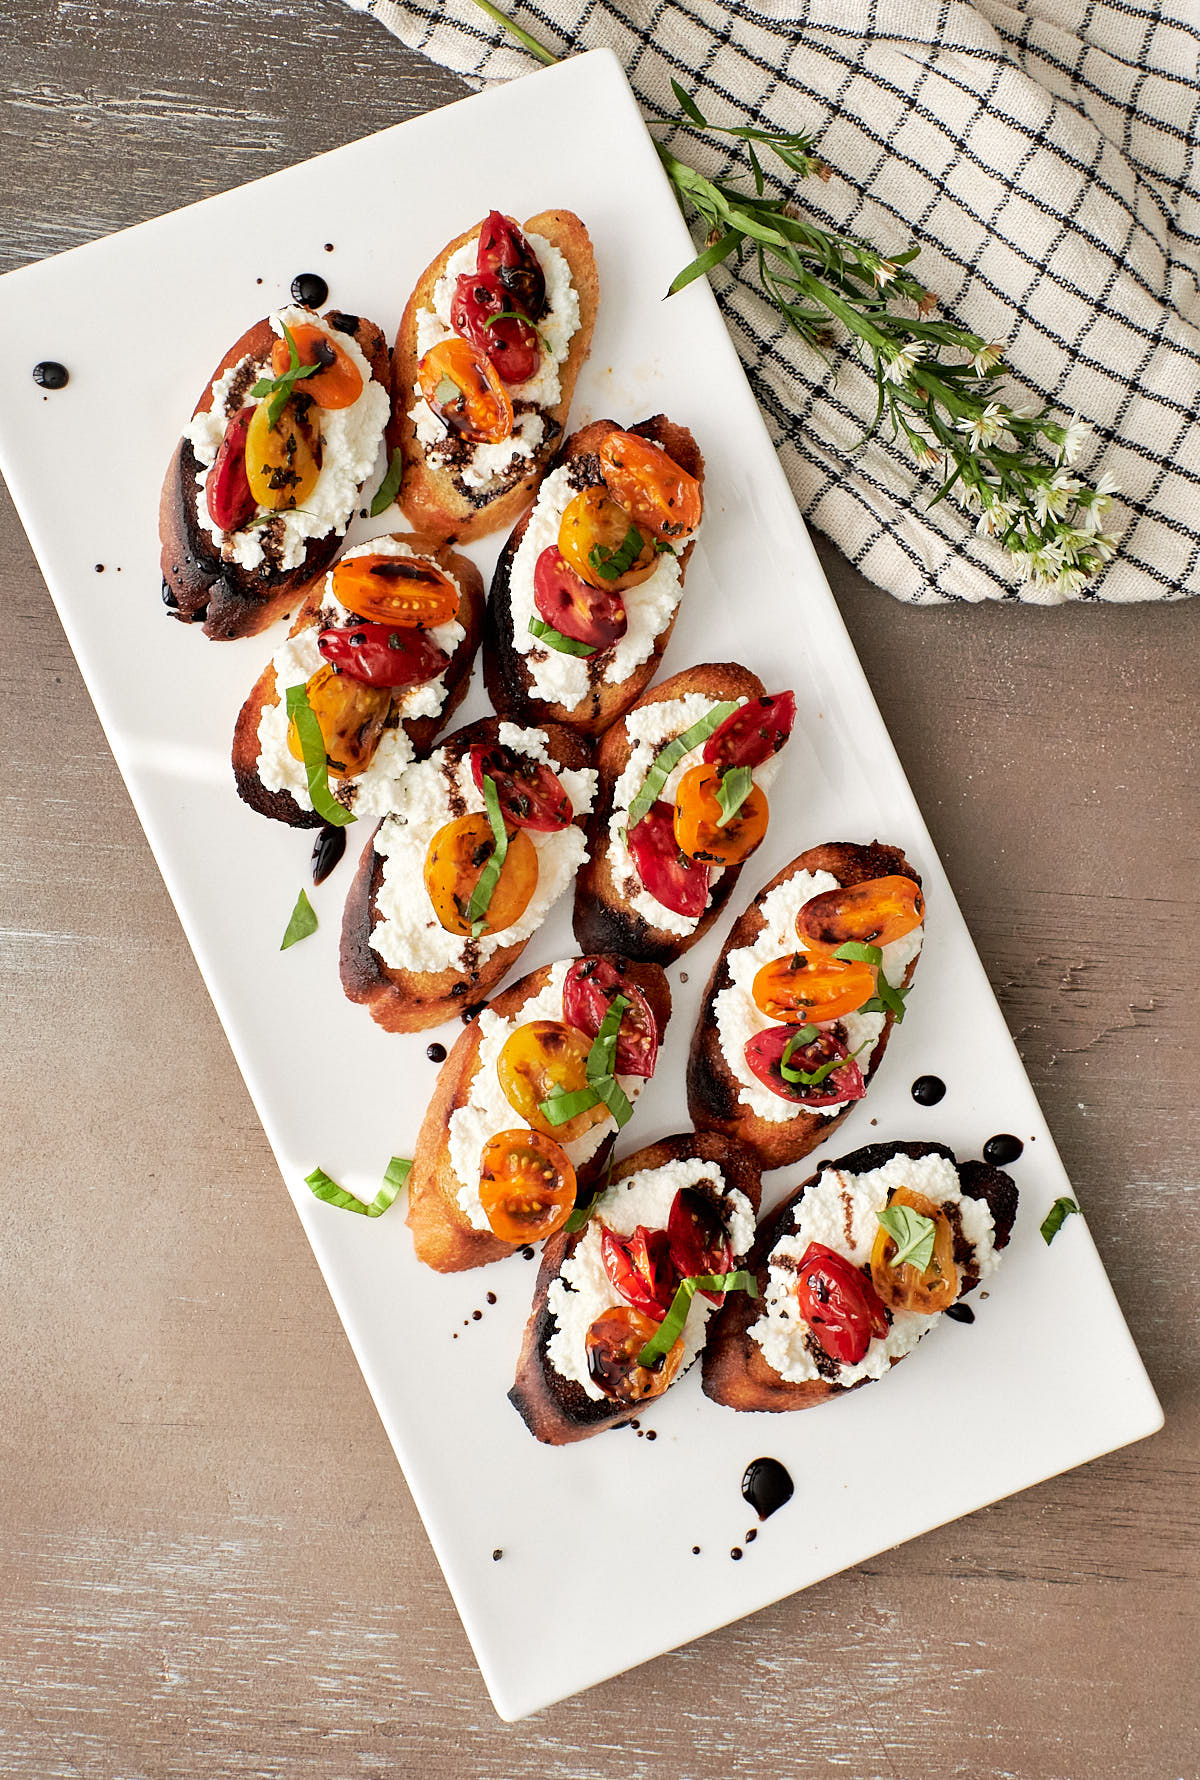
point(985, 428)
point(1071, 581)
point(1074, 438)
point(995, 520)
point(885, 271)
point(1096, 502)
point(903, 360)
point(987, 358)
point(1051, 499)
point(923, 451)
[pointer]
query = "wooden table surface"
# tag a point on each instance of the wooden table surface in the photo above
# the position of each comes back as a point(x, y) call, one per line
point(209, 1562)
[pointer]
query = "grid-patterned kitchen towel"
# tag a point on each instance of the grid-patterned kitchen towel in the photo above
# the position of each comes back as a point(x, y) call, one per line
point(1045, 155)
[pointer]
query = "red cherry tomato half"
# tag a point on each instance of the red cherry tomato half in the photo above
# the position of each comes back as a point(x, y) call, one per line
point(380, 656)
point(639, 1266)
point(531, 795)
point(839, 1304)
point(753, 733)
point(506, 255)
point(511, 344)
point(679, 883)
point(590, 985)
point(764, 1054)
point(227, 487)
point(586, 614)
point(697, 1238)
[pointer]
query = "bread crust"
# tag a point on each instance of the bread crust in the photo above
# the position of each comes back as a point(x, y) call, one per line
point(713, 1089)
point(281, 806)
point(558, 1410)
point(505, 670)
point(228, 600)
point(443, 1236)
point(604, 921)
point(734, 1371)
point(411, 1000)
point(428, 497)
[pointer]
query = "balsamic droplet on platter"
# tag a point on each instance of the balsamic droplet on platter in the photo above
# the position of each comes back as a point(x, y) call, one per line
point(99, 568)
point(491, 1297)
point(695, 1551)
point(497, 1555)
point(1002, 1149)
point(751, 1536)
point(329, 247)
point(767, 1485)
point(927, 1090)
point(436, 1052)
point(651, 1434)
point(328, 848)
point(310, 289)
point(527, 1253)
point(960, 1313)
point(736, 1554)
point(49, 374)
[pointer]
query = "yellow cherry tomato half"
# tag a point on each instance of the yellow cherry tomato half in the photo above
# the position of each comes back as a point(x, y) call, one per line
point(663, 499)
point(351, 716)
point(592, 536)
point(338, 384)
point(875, 913)
point(613, 1343)
point(802, 986)
point(463, 388)
point(454, 864)
point(526, 1185)
point(403, 591)
point(283, 461)
point(907, 1287)
point(698, 825)
point(541, 1058)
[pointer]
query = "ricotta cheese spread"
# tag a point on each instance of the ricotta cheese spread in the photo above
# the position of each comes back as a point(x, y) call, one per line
point(738, 1017)
point(841, 1210)
point(583, 1290)
point(350, 440)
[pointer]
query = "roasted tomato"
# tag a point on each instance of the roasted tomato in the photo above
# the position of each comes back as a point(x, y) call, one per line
point(338, 384)
point(764, 1054)
point(227, 487)
point(907, 1287)
point(463, 388)
point(351, 717)
point(531, 794)
point(839, 1304)
point(662, 499)
point(283, 461)
point(454, 864)
point(697, 1239)
point(614, 1342)
point(595, 536)
point(541, 1058)
point(380, 656)
point(401, 591)
point(508, 256)
point(753, 732)
point(640, 1268)
point(700, 828)
point(511, 343)
point(679, 883)
point(590, 985)
point(874, 913)
point(526, 1185)
point(816, 987)
point(585, 614)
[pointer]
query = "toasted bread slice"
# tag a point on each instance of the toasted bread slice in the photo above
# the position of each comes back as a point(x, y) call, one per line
point(281, 804)
point(714, 1102)
point(443, 1235)
point(556, 1409)
point(199, 586)
point(506, 669)
point(735, 1371)
point(431, 496)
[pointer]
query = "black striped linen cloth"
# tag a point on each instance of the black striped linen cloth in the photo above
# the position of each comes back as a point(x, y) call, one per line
point(1046, 157)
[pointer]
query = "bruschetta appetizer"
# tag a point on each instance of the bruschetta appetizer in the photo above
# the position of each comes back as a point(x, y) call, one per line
point(585, 593)
point(682, 802)
point(384, 651)
point(802, 1000)
point(681, 1209)
point(489, 348)
point(854, 1269)
point(527, 1106)
point(266, 477)
point(486, 834)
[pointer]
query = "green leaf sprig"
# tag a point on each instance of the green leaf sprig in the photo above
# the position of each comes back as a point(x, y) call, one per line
point(389, 488)
point(733, 788)
point(601, 1076)
point(811, 1078)
point(301, 923)
point(913, 1234)
point(554, 639)
point(671, 1327)
point(888, 997)
point(665, 762)
point(395, 1176)
point(1056, 1217)
point(316, 761)
point(280, 388)
point(489, 877)
point(610, 565)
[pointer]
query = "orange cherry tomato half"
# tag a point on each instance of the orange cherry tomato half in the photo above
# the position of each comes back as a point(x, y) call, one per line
point(403, 591)
point(526, 1185)
point(283, 461)
point(594, 534)
point(699, 828)
point(463, 388)
point(351, 715)
point(816, 988)
point(663, 499)
point(614, 1342)
point(539, 1059)
point(875, 913)
point(338, 384)
point(925, 1290)
point(454, 864)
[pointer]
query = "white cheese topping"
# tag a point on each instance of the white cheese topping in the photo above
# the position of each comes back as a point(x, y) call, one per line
point(841, 1211)
point(350, 440)
point(738, 1018)
point(583, 1290)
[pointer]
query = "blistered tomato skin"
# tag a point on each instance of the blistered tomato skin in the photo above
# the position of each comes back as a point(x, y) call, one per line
point(752, 733)
point(404, 592)
point(874, 913)
point(351, 716)
point(531, 794)
point(463, 388)
point(380, 656)
point(811, 986)
point(697, 1239)
point(283, 461)
point(662, 498)
point(592, 532)
point(640, 1268)
point(679, 883)
point(454, 864)
point(590, 986)
point(227, 486)
point(507, 255)
point(698, 826)
point(577, 610)
point(613, 1344)
point(764, 1056)
point(906, 1287)
point(511, 343)
point(526, 1185)
point(839, 1304)
point(339, 382)
point(539, 1059)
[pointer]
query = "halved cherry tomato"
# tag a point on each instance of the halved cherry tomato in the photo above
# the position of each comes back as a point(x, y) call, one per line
point(697, 1238)
point(640, 1268)
point(541, 1058)
point(698, 825)
point(818, 988)
point(907, 1287)
point(351, 717)
point(338, 384)
point(508, 255)
point(754, 732)
point(613, 1344)
point(875, 913)
point(526, 1185)
point(584, 613)
point(380, 656)
point(531, 794)
point(593, 532)
point(463, 388)
point(283, 461)
point(764, 1054)
point(839, 1304)
point(454, 864)
point(511, 344)
point(402, 591)
point(663, 499)
point(679, 883)
point(227, 487)
point(589, 987)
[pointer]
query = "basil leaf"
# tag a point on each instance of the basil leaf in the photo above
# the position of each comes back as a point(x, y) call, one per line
point(913, 1235)
point(668, 1331)
point(664, 763)
point(280, 388)
point(733, 788)
point(322, 1187)
point(610, 565)
point(316, 765)
point(554, 639)
point(1056, 1217)
point(888, 997)
point(811, 1078)
point(564, 1104)
point(389, 488)
point(489, 877)
point(859, 953)
point(601, 1074)
point(303, 921)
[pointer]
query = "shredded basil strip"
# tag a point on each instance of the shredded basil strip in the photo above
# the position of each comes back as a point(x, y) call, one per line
point(668, 1331)
point(888, 997)
point(601, 1074)
point(811, 1078)
point(322, 1187)
point(733, 788)
point(389, 488)
point(1056, 1217)
point(664, 763)
point(280, 388)
point(554, 639)
point(489, 877)
point(316, 764)
point(612, 564)
point(562, 1105)
point(303, 921)
point(913, 1235)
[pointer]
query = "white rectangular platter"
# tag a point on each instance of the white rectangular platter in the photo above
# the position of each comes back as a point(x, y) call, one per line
point(140, 319)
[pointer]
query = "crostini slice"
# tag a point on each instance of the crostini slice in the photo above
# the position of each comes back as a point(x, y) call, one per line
point(455, 486)
point(390, 725)
point(283, 475)
point(724, 1092)
point(766, 1354)
point(704, 1184)
point(535, 1035)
